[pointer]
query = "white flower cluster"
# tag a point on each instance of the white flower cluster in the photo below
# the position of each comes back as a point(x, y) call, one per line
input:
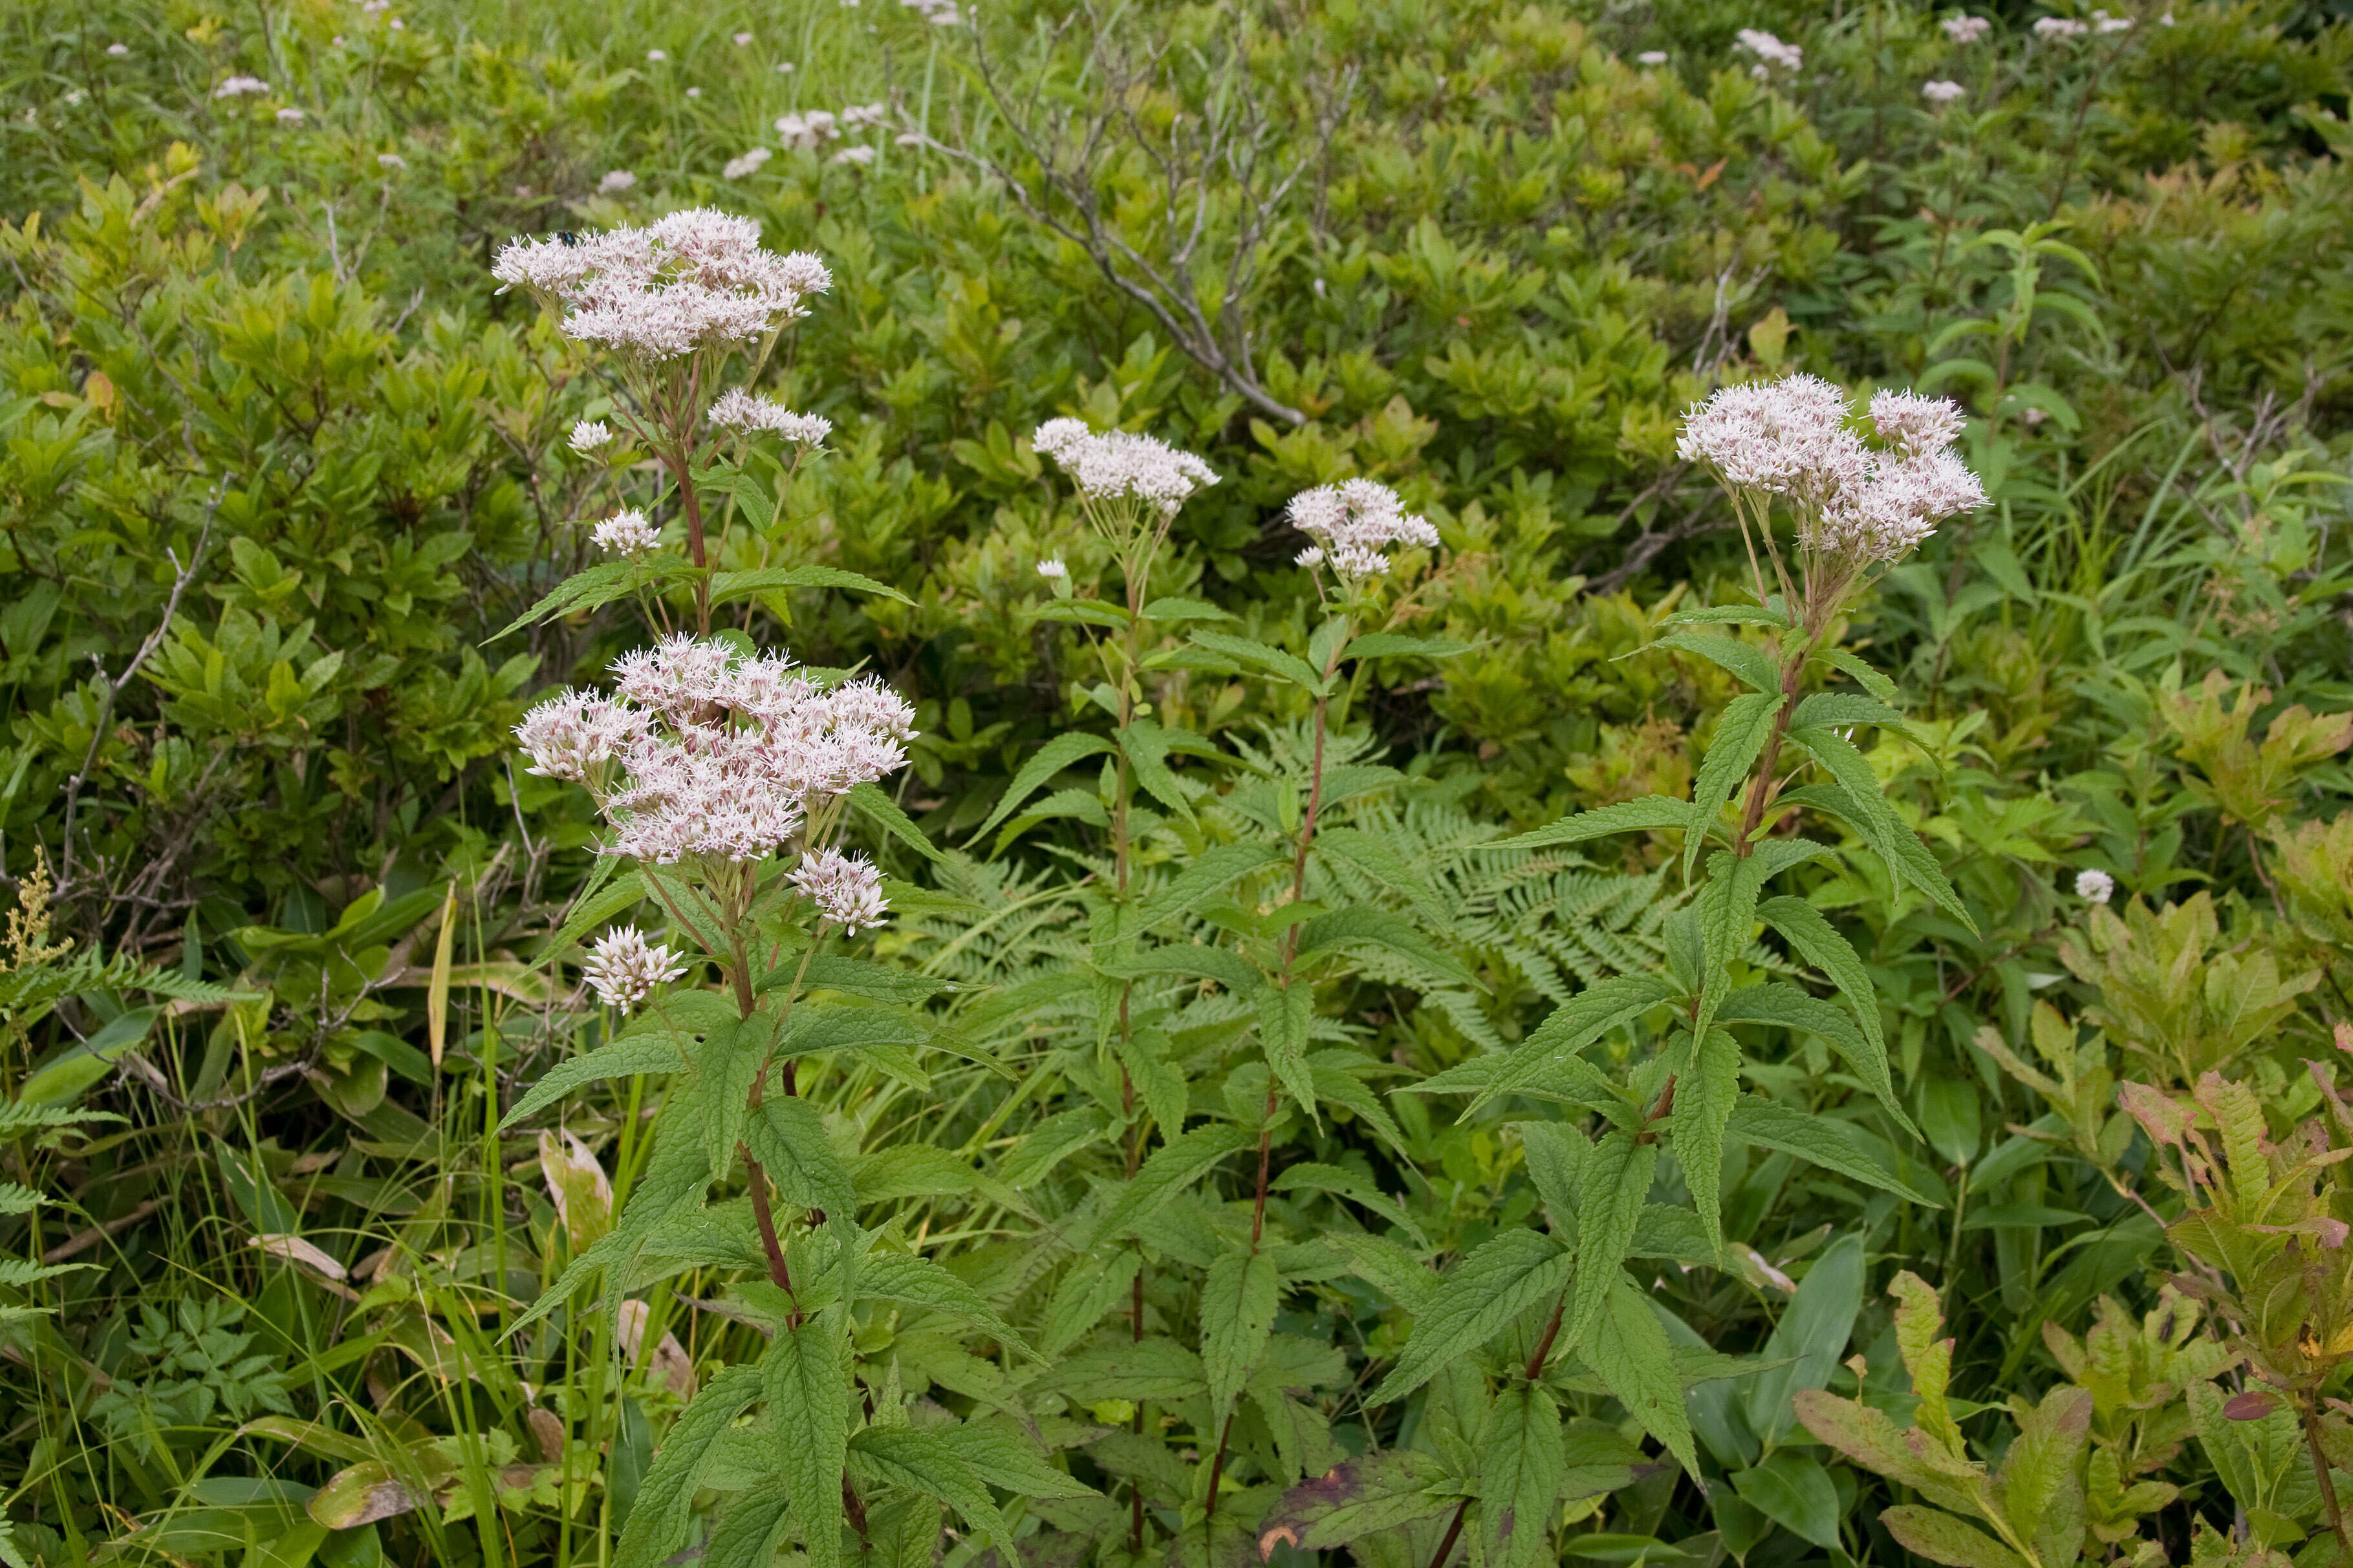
point(845, 888)
point(2059, 27)
point(1651, 58)
point(627, 533)
point(623, 967)
point(1966, 29)
point(721, 756)
point(1791, 437)
point(938, 12)
point(290, 116)
point(2097, 886)
point(615, 182)
point(737, 168)
point(858, 114)
point(1942, 91)
point(735, 409)
point(695, 280)
point(808, 132)
point(240, 86)
point(1119, 464)
point(1355, 524)
point(118, 50)
point(1052, 569)
point(1770, 51)
point(588, 434)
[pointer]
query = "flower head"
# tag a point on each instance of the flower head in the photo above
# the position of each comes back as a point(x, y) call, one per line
point(240, 86)
point(615, 182)
point(693, 280)
point(748, 163)
point(741, 39)
point(589, 435)
point(1769, 50)
point(1651, 58)
point(1791, 439)
point(735, 409)
point(627, 533)
point(623, 968)
point(1966, 29)
point(391, 160)
point(860, 155)
point(807, 131)
point(1942, 91)
point(118, 50)
point(655, 56)
point(1353, 523)
point(2059, 27)
point(2097, 886)
point(1052, 570)
point(845, 888)
point(1119, 464)
point(290, 116)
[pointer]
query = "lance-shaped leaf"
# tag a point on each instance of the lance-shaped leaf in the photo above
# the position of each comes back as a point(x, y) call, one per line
point(1870, 680)
point(1704, 1098)
point(726, 585)
point(1065, 749)
point(1940, 1538)
point(659, 1518)
point(1146, 746)
point(1907, 857)
point(808, 1413)
point(674, 1181)
point(1088, 1290)
point(1809, 1341)
point(1211, 872)
point(1615, 1178)
point(919, 1459)
point(1173, 1167)
point(732, 1058)
point(1551, 1049)
point(1238, 1302)
point(1815, 940)
point(1779, 1003)
point(1827, 1141)
point(1367, 927)
point(1628, 1350)
point(599, 584)
point(1740, 736)
point(1374, 857)
point(749, 1532)
point(1389, 645)
point(1501, 1279)
point(787, 1137)
point(1259, 655)
point(1748, 663)
point(1520, 1470)
point(1730, 616)
point(1284, 1014)
point(1309, 1175)
point(622, 1058)
point(918, 1281)
point(868, 801)
point(1651, 812)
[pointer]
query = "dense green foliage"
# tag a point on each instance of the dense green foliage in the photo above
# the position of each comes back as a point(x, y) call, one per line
point(1258, 1129)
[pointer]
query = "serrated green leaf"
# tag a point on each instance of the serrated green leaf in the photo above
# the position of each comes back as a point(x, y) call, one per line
point(1502, 1277)
point(1780, 1004)
point(919, 1459)
point(733, 1058)
point(1816, 940)
point(918, 1281)
point(808, 1412)
point(1649, 813)
point(1182, 609)
point(1628, 1350)
point(1390, 645)
point(1284, 1015)
point(868, 801)
point(1146, 751)
point(1615, 1181)
point(1365, 927)
point(1745, 662)
point(1374, 1495)
point(1550, 1050)
point(749, 1532)
point(1521, 1465)
point(1741, 732)
point(727, 586)
point(1238, 1302)
point(1907, 857)
point(1704, 1097)
point(1245, 650)
point(787, 1137)
point(1727, 614)
point(1062, 751)
point(659, 1518)
point(1175, 1165)
point(1824, 1141)
point(1870, 680)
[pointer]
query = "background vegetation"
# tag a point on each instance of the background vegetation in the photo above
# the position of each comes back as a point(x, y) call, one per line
point(278, 465)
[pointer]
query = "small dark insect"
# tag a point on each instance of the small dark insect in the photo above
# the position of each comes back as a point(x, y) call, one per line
point(567, 238)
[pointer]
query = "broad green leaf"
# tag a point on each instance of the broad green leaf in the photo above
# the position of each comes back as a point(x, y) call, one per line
point(1615, 1180)
point(1782, 1004)
point(1151, 1368)
point(1740, 736)
point(1520, 1472)
point(1848, 663)
point(1499, 1279)
point(1311, 1176)
point(1065, 749)
point(1211, 872)
point(808, 1416)
point(1845, 709)
point(1746, 661)
point(1088, 1290)
point(1556, 1158)
point(1003, 1459)
point(1728, 615)
point(603, 896)
point(1628, 1350)
point(1223, 965)
point(726, 585)
point(73, 1073)
point(1238, 1302)
point(1146, 750)
point(1367, 927)
point(1812, 1336)
point(1825, 1140)
point(659, 1518)
point(1794, 1491)
point(1651, 811)
point(674, 1182)
point(1173, 1167)
point(599, 584)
